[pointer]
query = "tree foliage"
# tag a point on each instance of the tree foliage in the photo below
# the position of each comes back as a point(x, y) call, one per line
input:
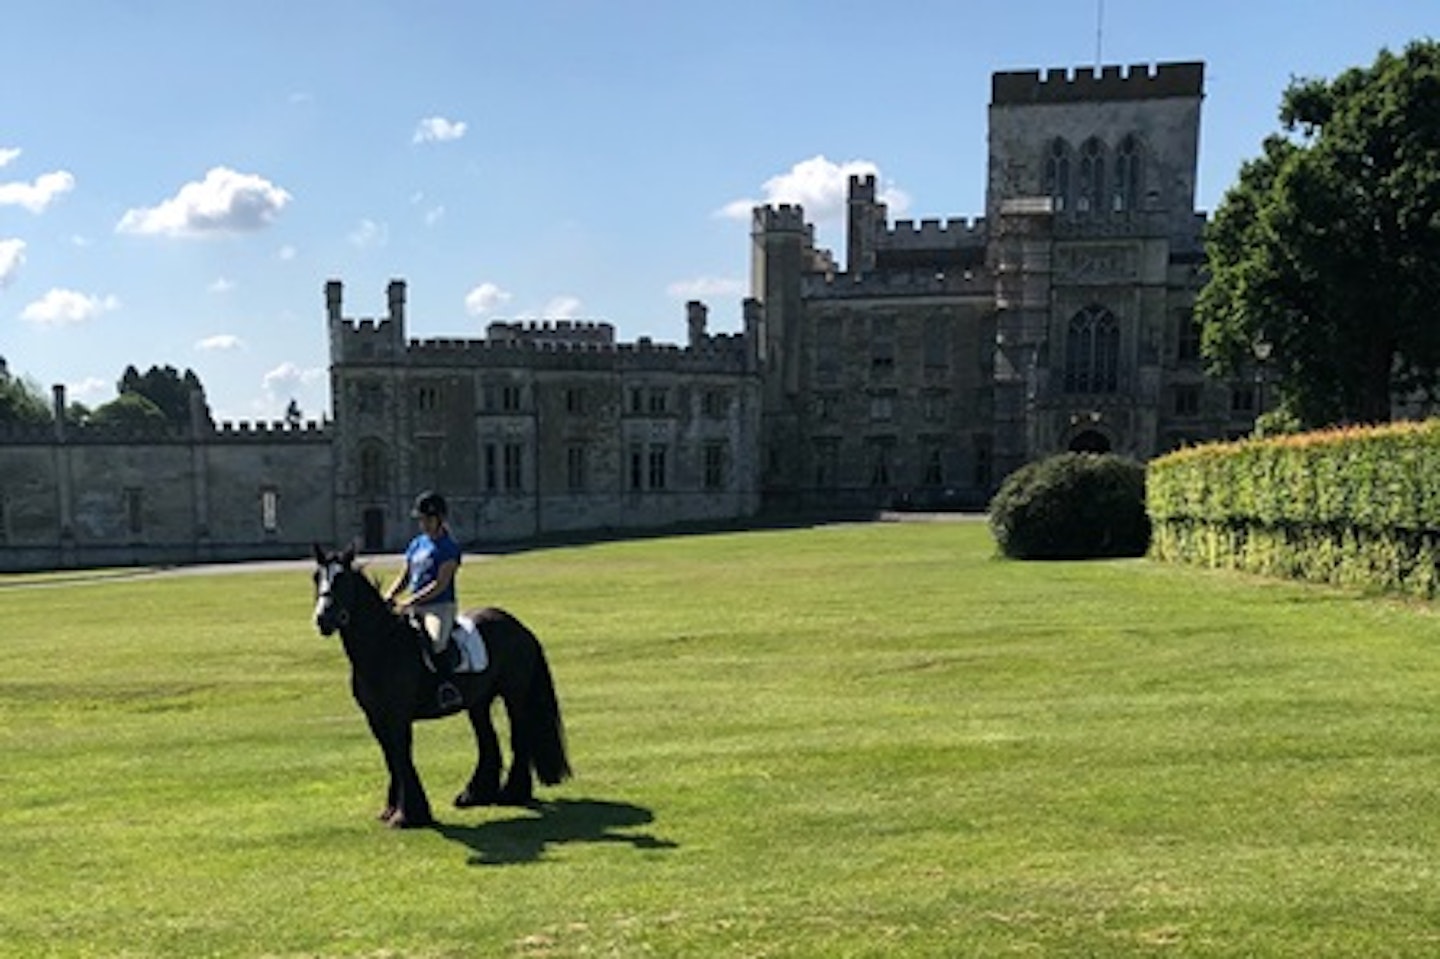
point(1328, 246)
point(21, 400)
point(131, 411)
point(167, 389)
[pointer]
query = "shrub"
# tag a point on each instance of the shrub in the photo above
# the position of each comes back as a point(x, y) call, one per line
point(1072, 506)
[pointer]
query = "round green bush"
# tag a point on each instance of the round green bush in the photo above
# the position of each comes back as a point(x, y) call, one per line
point(1072, 506)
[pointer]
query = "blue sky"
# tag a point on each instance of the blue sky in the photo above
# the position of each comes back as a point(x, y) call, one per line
point(179, 178)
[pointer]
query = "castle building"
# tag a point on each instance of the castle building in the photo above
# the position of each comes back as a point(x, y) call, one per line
point(944, 355)
point(948, 353)
point(540, 427)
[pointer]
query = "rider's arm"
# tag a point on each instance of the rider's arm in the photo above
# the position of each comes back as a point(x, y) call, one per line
point(399, 584)
point(443, 576)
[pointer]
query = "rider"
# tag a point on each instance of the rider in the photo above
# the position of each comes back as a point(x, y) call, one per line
point(431, 561)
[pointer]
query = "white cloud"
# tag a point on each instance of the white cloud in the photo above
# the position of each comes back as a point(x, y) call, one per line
point(65, 307)
point(434, 215)
point(224, 202)
point(562, 308)
point(221, 285)
point(438, 130)
point(288, 378)
point(91, 386)
point(484, 299)
point(287, 253)
point(7, 154)
point(220, 342)
point(703, 286)
point(821, 186)
point(12, 257)
point(36, 195)
point(369, 235)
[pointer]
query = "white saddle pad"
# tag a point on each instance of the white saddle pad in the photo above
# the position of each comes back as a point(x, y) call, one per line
point(473, 656)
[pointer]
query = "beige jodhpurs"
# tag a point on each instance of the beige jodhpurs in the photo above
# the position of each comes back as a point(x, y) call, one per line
point(439, 620)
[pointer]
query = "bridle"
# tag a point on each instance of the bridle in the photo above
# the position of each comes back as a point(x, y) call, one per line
point(330, 613)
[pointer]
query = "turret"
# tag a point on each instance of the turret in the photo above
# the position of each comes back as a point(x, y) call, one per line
point(396, 293)
point(780, 255)
point(866, 219)
point(696, 314)
point(334, 300)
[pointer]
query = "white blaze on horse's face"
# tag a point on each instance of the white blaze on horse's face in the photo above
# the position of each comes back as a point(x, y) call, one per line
point(325, 580)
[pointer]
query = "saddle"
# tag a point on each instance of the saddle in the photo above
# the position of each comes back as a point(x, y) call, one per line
point(464, 653)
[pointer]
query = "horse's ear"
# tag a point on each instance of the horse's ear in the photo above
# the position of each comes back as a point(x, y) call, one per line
point(348, 557)
point(319, 553)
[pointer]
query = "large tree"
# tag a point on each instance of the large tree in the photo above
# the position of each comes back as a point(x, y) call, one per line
point(21, 400)
point(1324, 257)
point(167, 389)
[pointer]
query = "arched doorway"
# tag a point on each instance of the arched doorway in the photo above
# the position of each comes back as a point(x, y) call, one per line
point(1090, 441)
point(372, 522)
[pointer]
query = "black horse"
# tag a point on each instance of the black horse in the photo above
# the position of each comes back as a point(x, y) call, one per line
point(394, 687)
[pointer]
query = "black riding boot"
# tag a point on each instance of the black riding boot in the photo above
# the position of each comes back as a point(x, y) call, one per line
point(447, 692)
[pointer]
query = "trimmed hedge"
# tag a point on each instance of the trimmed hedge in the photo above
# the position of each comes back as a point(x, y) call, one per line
point(1072, 506)
point(1354, 506)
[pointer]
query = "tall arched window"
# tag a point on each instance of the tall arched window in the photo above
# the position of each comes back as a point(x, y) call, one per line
point(1092, 177)
point(1057, 174)
point(1092, 352)
point(372, 468)
point(1126, 195)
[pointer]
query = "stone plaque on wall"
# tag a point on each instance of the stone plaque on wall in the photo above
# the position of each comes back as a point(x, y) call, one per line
point(1110, 263)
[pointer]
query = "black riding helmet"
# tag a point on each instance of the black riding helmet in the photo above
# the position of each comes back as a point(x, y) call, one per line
point(429, 503)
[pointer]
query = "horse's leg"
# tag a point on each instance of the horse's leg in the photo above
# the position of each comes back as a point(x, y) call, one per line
point(392, 790)
point(407, 804)
point(414, 805)
point(484, 786)
point(519, 788)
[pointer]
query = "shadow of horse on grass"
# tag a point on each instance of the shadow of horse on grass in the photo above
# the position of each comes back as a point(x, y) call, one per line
point(526, 838)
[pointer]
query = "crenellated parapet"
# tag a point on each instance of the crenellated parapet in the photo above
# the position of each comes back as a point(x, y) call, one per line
point(900, 283)
point(1113, 82)
point(949, 234)
point(568, 333)
point(365, 340)
point(781, 218)
point(272, 431)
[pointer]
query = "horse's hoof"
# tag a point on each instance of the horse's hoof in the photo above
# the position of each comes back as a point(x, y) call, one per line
point(402, 821)
point(467, 799)
point(387, 814)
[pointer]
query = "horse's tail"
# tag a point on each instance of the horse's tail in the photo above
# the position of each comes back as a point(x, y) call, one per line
point(546, 727)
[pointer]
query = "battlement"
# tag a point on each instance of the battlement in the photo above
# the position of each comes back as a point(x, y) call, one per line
point(572, 333)
point(898, 283)
point(934, 234)
point(862, 188)
point(1113, 82)
point(271, 431)
point(784, 218)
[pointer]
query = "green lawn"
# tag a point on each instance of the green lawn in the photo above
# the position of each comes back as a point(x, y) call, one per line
point(870, 740)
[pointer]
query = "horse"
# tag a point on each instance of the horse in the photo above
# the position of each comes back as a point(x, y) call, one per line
point(394, 687)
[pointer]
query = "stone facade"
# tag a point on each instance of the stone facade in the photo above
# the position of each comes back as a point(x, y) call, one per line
point(943, 355)
point(90, 497)
point(947, 353)
point(539, 428)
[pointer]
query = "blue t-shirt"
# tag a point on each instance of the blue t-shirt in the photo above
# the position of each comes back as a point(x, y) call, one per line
point(425, 556)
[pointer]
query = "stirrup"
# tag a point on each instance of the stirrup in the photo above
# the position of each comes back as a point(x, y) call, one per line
point(447, 694)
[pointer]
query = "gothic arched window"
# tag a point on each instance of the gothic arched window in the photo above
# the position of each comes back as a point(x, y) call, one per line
point(1092, 352)
point(1092, 177)
point(1127, 176)
point(372, 468)
point(1057, 175)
